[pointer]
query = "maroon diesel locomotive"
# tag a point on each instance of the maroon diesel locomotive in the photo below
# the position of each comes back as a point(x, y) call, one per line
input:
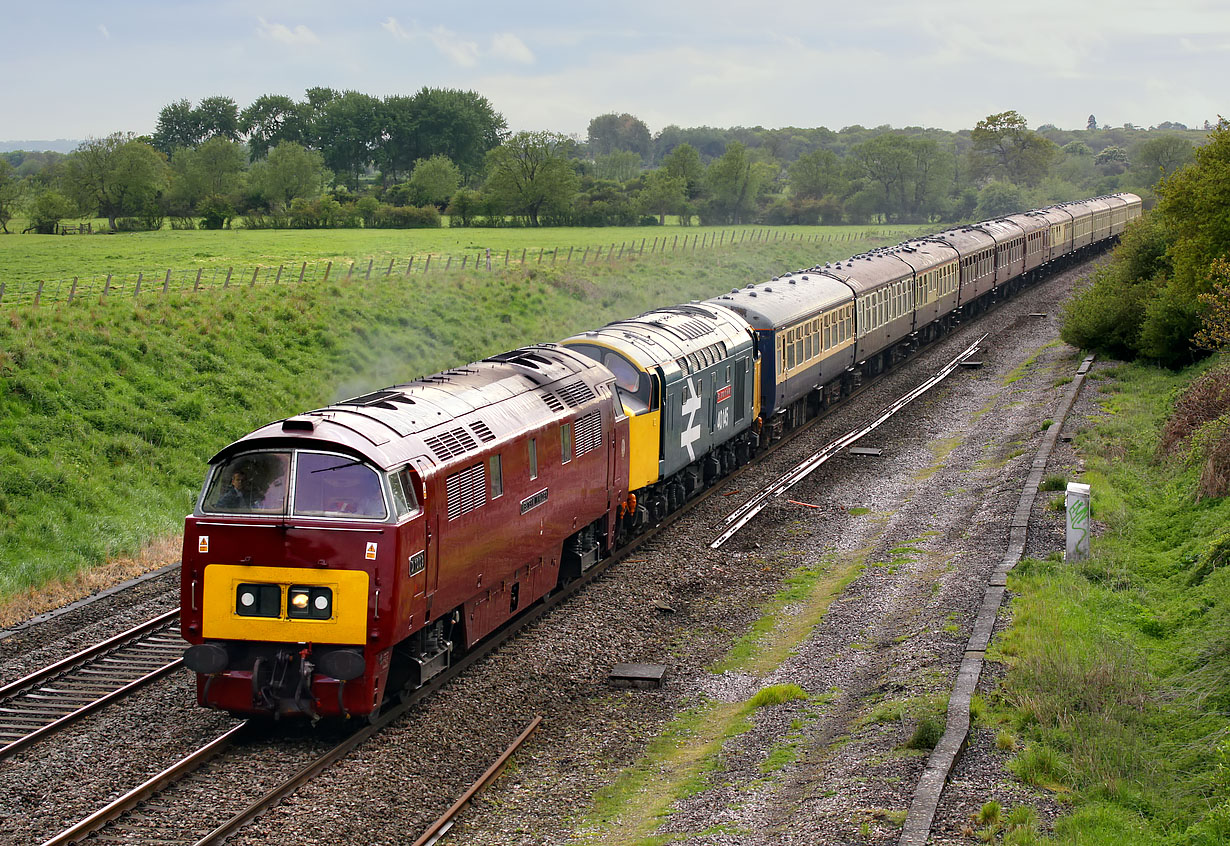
point(346, 551)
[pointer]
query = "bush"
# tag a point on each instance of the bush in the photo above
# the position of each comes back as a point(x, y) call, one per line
point(406, 217)
point(926, 734)
point(1199, 426)
point(215, 212)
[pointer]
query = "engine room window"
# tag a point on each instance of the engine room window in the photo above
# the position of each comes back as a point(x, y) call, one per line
point(496, 473)
point(337, 486)
point(565, 443)
point(252, 483)
point(533, 458)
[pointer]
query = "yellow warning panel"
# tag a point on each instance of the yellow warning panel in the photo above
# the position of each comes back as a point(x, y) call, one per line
point(222, 620)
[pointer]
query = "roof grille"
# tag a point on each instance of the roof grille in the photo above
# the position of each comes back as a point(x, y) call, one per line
point(552, 401)
point(589, 433)
point(482, 430)
point(576, 393)
point(446, 445)
point(466, 490)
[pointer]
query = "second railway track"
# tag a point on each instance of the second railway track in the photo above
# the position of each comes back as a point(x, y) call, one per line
point(41, 703)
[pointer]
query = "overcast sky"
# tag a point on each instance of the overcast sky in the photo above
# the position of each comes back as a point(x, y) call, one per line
point(79, 69)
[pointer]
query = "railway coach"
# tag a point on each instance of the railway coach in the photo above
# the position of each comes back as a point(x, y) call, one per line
point(339, 553)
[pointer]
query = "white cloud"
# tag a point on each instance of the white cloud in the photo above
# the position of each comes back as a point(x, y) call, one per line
point(505, 45)
point(396, 29)
point(298, 36)
point(458, 50)
point(105, 32)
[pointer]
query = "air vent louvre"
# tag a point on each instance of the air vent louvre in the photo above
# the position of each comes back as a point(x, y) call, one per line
point(483, 431)
point(589, 433)
point(466, 490)
point(576, 393)
point(446, 445)
point(552, 401)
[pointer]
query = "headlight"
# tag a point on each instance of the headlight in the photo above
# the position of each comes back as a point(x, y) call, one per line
point(253, 600)
point(309, 603)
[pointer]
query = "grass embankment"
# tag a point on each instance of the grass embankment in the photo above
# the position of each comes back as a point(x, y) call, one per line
point(1117, 695)
point(108, 412)
point(26, 259)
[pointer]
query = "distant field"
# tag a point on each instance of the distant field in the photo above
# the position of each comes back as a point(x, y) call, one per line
point(26, 259)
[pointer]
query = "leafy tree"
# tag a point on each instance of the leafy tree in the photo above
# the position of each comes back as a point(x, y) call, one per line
point(463, 207)
point(684, 161)
point(48, 209)
point(611, 133)
point(735, 181)
point(619, 166)
point(218, 117)
point(1112, 159)
point(1002, 146)
point(1077, 148)
point(1193, 202)
point(815, 174)
point(530, 174)
point(401, 146)
point(461, 125)
point(118, 175)
point(1092, 123)
point(909, 170)
point(216, 168)
point(662, 194)
point(179, 125)
point(289, 172)
point(11, 189)
point(1157, 158)
point(434, 181)
point(998, 199)
point(271, 119)
point(1214, 331)
point(349, 131)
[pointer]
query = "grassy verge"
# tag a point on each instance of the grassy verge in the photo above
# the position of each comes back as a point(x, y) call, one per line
point(677, 764)
point(1116, 695)
point(109, 410)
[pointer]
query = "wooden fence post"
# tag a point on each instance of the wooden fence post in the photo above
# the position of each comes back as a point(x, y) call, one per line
point(463, 261)
point(427, 264)
point(570, 249)
point(1, 292)
point(279, 277)
point(642, 246)
point(409, 265)
point(584, 255)
point(675, 243)
point(227, 282)
point(523, 256)
point(71, 294)
point(38, 295)
point(255, 272)
point(389, 272)
point(610, 254)
point(106, 287)
point(554, 256)
point(621, 249)
point(166, 283)
point(367, 276)
point(302, 270)
point(448, 263)
point(506, 258)
point(328, 267)
point(540, 255)
point(137, 290)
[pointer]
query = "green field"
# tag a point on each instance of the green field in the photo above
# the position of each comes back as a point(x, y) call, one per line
point(110, 408)
point(26, 259)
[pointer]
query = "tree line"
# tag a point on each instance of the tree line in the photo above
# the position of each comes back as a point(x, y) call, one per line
point(347, 159)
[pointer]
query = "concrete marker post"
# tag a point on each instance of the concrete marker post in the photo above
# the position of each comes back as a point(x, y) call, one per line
point(1077, 502)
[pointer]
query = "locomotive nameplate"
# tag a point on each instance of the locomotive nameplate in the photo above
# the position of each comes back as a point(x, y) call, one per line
point(533, 501)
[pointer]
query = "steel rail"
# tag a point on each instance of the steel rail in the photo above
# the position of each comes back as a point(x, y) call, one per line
point(441, 826)
point(148, 789)
point(31, 710)
point(744, 514)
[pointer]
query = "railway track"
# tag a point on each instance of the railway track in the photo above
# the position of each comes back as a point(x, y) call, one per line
point(40, 704)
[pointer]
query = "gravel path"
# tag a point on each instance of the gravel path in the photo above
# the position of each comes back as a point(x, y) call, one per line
point(921, 526)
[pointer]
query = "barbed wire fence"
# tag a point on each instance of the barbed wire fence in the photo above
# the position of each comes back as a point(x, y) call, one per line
point(104, 286)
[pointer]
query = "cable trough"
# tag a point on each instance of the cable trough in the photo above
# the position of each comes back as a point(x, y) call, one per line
point(34, 707)
point(744, 514)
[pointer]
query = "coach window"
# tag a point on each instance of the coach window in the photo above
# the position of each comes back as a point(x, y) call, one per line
point(533, 458)
point(495, 472)
point(565, 443)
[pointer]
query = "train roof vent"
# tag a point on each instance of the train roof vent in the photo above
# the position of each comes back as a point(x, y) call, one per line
point(449, 444)
point(301, 423)
point(552, 401)
point(483, 431)
point(576, 393)
point(385, 399)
